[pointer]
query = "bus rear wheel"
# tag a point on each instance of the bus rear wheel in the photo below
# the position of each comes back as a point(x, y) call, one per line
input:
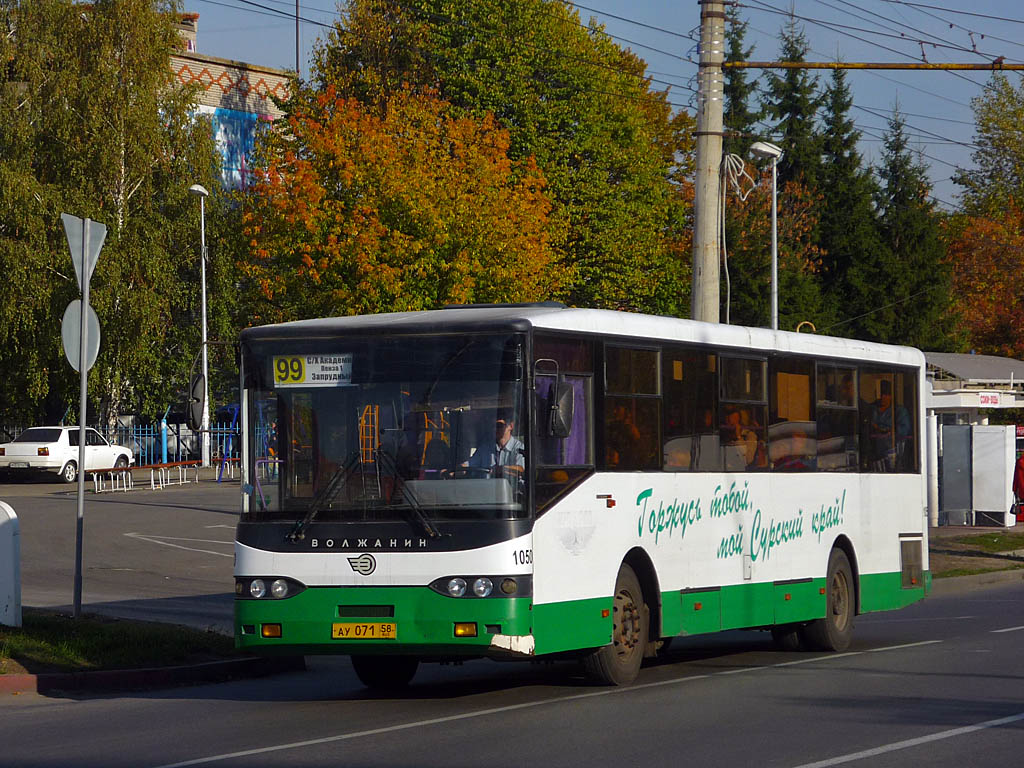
point(619, 663)
point(833, 633)
point(385, 673)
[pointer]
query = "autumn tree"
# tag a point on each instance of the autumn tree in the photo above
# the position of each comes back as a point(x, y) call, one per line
point(92, 124)
point(410, 207)
point(985, 239)
point(749, 258)
point(571, 100)
point(985, 253)
point(997, 175)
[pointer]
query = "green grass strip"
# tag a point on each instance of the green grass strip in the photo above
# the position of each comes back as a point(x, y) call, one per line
point(50, 642)
point(997, 541)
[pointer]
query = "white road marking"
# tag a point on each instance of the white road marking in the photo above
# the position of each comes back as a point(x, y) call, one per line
point(928, 618)
point(515, 707)
point(905, 645)
point(162, 541)
point(220, 525)
point(1008, 629)
point(897, 745)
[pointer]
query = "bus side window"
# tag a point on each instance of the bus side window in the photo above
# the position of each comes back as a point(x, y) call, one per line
point(690, 432)
point(888, 428)
point(743, 414)
point(792, 436)
point(632, 409)
point(837, 426)
point(561, 463)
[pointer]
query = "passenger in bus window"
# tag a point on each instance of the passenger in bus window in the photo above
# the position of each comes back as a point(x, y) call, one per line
point(889, 428)
point(623, 439)
point(798, 451)
point(739, 439)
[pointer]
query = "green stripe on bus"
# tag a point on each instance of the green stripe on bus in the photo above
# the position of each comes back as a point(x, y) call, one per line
point(885, 592)
point(425, 620)
point(572, 624)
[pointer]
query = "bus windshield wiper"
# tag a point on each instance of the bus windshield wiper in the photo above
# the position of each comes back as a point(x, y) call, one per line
point(415, 509)
point(324, 497)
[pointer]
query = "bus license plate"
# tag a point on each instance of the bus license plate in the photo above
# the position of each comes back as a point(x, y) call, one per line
point(359, 630)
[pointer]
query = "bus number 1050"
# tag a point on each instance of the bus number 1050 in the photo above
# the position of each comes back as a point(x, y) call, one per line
point(522, 556)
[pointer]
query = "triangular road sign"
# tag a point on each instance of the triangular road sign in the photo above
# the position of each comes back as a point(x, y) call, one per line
point(74, 229)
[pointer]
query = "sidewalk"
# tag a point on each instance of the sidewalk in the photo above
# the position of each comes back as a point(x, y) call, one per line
point(106, 681)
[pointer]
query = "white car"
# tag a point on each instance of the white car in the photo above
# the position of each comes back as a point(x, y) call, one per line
point(55, 449)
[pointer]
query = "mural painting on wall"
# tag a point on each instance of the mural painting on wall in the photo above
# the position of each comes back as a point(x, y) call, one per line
point(235, 134)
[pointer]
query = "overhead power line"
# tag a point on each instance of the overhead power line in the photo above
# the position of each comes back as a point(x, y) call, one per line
point(996, 65)
point(954, 10)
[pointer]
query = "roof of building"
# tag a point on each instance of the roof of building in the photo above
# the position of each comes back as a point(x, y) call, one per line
point(975, 369)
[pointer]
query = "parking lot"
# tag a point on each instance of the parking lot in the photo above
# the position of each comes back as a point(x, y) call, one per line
point(150, 554)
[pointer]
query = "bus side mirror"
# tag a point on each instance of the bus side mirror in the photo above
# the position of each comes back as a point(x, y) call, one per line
point(196, 396)
point(560, 408)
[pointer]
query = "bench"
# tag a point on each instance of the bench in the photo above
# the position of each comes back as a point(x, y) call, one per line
point(161, 474)
point(118, 477)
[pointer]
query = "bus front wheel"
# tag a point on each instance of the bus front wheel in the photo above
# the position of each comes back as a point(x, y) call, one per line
point(619, 663)
point(833, 633)
point(385, 672)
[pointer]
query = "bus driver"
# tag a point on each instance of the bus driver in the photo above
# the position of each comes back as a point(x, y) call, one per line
point(505, 454)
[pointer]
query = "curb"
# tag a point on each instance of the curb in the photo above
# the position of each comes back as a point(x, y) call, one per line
point(957, 585)
point(154, 677)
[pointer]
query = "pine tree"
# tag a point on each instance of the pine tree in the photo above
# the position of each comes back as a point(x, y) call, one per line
point(848, 230)
point(739, 119)
point(909, 287)
point(792, 101)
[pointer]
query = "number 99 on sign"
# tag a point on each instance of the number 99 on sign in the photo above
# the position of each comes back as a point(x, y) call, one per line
point(289, 370)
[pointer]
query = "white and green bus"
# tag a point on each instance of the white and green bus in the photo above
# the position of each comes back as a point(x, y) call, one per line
point(525, 481)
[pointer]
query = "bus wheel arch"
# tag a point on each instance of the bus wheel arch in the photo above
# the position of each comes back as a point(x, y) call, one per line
point(844, 543)
point(618, 663)
point(834, 631)
point(643, 567)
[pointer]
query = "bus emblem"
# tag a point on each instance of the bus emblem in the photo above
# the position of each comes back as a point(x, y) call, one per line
point(364, 565)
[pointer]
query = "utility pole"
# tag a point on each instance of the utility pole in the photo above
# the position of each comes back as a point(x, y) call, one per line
point(707, 181)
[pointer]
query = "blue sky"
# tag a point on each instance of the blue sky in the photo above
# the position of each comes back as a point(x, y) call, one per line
point(936, 105)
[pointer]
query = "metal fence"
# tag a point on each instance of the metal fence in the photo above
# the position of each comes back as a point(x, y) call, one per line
point(154, 444)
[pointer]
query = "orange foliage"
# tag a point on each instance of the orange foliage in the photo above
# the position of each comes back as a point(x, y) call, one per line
point(402, 208)
point(986, 254)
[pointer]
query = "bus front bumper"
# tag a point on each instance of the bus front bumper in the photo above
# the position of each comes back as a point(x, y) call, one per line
point(385, 620)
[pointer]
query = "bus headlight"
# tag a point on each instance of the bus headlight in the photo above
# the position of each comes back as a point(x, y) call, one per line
point(266, 587)
point(279, 588)
point(472, 587)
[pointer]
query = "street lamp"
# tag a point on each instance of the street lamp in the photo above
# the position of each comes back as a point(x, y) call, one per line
point(765, 150)
point(200, 191)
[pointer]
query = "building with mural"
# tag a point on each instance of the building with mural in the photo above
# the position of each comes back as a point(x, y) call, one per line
point(236, 96)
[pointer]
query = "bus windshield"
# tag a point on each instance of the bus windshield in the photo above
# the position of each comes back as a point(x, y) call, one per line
point(353, 429)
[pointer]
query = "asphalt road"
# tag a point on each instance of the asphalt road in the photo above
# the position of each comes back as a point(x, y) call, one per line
point(937, 684)
point(164, 555)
